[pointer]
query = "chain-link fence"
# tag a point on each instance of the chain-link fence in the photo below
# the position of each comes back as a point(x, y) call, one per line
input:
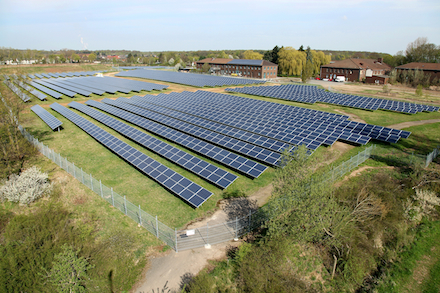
point(432, 155)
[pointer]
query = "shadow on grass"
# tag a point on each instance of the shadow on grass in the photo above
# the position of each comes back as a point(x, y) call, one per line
point(240, 207)
point(41, 135)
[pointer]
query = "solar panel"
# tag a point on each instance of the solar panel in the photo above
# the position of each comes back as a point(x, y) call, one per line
point(211, 151)
point(47, 117)
point(209, 172)
point(187, 190)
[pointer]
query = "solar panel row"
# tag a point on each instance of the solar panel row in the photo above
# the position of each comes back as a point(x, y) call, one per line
point(187, 78)
point(17, 91)
point(47, 117)
point(209, 172)
point(187, 190)
point(34, 92)
point(311, 94)
point(204, 148)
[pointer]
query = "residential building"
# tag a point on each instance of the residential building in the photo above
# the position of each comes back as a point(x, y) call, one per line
point(241, 67)
point(355, 69)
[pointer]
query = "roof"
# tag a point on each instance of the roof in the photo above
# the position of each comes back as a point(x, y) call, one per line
point(419, 65)
point(215, 60)
point(353, 63)
point(248, 62)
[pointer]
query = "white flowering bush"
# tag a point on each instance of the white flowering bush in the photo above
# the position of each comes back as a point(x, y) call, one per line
point(27, 187)
point(422, 204)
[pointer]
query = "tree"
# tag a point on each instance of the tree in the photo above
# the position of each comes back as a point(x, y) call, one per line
point(301, 48)
point(69, 271)
point(290, 61)
point(422, 51)
point(75, 58)
point(206, 67)
point(92, 57)
point(14, 148)
point(308, 69)
point(252, 55)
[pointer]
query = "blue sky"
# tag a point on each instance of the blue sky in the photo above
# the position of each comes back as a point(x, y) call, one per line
point(175, 25)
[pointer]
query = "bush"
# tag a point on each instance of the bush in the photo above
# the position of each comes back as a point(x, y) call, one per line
point(419, 90)
point(27, 187)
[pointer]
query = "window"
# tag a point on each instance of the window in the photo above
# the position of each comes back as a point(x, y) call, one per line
point(326, 70)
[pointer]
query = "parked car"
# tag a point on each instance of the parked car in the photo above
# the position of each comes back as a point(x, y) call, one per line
point(340, 78)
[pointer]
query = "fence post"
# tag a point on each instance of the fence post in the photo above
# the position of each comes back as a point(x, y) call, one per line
point(157, 227)
point(74, 171)
point(67, 166)
point(175, 238)
point(125, 204)
point(91, 182)
point(207, 245)
point(140, 216)
point(236, 229)
point(249, 229)
point(59, 157)
point(113, 201)
point(100, 187)
point(82, 175)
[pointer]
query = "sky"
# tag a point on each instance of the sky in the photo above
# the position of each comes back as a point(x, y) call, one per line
point(385, 26)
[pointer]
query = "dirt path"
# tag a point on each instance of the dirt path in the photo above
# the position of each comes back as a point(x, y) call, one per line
point(175, 267)
point(413, 123)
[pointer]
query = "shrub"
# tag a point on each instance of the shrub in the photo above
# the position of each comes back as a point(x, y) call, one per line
point(419, 90)
point(27, 187)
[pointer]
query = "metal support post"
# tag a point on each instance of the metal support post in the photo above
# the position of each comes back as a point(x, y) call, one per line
point(74, 171)
point(175, 237)
point(82, 175)
point(100, 186)
point(157, 227)
point(140, 216)
point(125, 204)
point(236, 229)
point(113, 200)
point(91, 182)
point(249, 229)
point(207, 245)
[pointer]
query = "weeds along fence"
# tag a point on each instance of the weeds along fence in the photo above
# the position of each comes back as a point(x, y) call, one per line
point(180, 240)
point(432, 155)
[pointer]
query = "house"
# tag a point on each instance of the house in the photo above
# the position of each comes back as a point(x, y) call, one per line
point(433, 69)
point(354, 69)
point(240, 67)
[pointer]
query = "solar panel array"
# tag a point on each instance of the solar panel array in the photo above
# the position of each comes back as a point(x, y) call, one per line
point(187, 190)
point(47, 117)
point(85, 86)
point(311, 94)
point(288, 124)
point(192, 79)
point(63, 74)
point(223, 141)
point(17, 91)
point(227, 158)
point(205, 170)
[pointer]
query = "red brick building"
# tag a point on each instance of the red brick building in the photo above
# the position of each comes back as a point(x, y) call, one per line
point(241, 67)
point(433, 69)
point(354, 69)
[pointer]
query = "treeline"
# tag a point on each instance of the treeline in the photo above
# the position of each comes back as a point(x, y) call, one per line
point(322, 238)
